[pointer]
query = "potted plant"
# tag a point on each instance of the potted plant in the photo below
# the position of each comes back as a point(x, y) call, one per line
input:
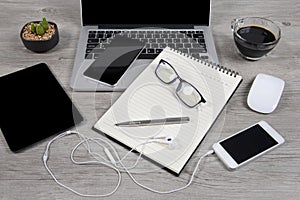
point(40, 36)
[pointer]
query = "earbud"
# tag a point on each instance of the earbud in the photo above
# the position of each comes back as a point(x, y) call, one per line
point(162, 141)
point(162, 138)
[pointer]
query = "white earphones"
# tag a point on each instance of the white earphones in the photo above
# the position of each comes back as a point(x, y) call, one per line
point(114, 161)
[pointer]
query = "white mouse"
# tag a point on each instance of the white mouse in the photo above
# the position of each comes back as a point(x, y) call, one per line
point(265, 93)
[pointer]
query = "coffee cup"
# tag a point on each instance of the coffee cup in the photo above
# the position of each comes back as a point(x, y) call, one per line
point(255, 37)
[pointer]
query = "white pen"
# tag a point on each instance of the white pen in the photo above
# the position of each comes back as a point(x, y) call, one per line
point(151, 122)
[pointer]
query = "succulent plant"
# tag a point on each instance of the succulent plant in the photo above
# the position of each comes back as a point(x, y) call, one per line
point(32, 28)
point(40, 28)
point(44, 23)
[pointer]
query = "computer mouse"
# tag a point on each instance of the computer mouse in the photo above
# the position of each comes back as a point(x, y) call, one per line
point(265, 93)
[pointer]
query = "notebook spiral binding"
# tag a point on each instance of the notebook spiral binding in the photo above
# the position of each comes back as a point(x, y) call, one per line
point(209, 64)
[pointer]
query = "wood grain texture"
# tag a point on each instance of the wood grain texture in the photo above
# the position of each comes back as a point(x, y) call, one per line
point(274, 176)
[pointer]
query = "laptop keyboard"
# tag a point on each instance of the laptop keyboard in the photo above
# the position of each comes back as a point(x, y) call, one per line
point(190, 42)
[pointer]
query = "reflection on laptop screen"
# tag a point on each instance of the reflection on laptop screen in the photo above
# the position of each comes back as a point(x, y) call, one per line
point(154, 12)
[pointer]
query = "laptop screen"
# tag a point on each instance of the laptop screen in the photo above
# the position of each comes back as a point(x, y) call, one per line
point(154, 13)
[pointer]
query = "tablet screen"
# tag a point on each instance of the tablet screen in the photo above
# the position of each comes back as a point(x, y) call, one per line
point(34, 106)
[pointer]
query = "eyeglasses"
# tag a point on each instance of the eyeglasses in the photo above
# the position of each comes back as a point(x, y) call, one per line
point(185, 91)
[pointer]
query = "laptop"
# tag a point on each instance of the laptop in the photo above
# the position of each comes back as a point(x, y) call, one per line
point(182, 26)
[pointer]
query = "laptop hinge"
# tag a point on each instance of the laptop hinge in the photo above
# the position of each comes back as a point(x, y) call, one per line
point(129, 26)
point(198, 27)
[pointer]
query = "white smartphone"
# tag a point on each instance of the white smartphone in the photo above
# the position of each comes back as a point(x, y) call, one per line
point(248, 144)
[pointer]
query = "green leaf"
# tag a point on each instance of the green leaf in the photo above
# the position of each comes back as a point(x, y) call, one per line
point(32, 28)
point(45, 24)
point(40, 30)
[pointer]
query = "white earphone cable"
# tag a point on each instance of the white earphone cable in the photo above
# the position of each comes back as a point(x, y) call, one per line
point(111, 162)
point(46, 157)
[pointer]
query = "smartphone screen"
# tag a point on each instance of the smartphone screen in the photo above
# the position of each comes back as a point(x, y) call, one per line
point(115, 59)
point(112, 73)
point(248, 143)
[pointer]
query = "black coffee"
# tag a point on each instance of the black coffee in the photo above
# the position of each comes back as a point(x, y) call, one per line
point(256, 41)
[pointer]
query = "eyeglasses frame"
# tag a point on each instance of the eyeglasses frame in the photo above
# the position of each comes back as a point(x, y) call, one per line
point(181, 80)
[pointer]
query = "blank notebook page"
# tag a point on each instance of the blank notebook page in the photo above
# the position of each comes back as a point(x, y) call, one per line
point(149, 98)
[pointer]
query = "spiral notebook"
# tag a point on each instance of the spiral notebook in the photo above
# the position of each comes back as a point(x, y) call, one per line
point(149, 98)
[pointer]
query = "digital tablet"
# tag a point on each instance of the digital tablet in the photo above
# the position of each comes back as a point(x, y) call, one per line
point(34, 106)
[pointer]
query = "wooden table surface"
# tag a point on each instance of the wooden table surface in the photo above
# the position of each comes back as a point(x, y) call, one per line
point(276, 175)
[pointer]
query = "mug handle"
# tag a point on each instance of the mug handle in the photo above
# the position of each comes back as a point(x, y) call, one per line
point(234, 23)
